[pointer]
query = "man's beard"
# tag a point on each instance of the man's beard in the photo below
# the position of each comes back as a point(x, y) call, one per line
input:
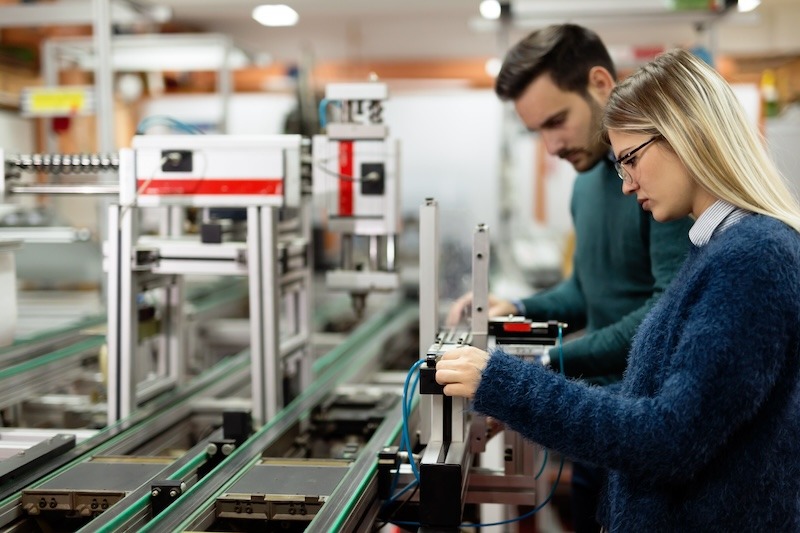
point(590, 155)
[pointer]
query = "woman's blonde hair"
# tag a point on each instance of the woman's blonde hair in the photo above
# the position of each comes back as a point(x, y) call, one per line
point(690, 105)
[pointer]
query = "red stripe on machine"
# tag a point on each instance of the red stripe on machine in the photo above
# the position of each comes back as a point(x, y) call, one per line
point(345, 178)
point(521, 327)
point(201, 186)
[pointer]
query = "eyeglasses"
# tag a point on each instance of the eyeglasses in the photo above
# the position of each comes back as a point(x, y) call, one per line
point(621, 172)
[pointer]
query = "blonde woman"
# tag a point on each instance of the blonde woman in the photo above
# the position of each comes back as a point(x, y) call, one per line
point(704, 432)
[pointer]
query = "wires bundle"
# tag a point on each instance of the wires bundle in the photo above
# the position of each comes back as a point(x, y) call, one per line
point(169, 122)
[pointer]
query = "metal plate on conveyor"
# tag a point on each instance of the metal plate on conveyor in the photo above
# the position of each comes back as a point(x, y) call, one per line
point(104, 476)
point(278, 489)
point(91, 487)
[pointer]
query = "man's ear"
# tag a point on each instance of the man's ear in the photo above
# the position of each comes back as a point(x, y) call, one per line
point(601, 82)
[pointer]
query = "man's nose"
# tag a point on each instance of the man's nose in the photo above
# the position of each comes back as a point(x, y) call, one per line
point(552, 143)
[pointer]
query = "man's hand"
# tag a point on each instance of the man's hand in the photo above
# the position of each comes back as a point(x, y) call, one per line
point(462, 306)
point(460, 371)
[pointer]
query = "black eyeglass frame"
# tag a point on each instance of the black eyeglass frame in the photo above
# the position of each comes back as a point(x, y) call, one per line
point(621, 172)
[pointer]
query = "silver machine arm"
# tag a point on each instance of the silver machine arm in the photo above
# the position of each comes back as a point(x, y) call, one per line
point(449, 437)
point(356, 176)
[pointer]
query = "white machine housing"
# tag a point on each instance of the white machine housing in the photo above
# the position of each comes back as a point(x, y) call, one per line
point(261, 173)
point(216, 170)
point(357, 178)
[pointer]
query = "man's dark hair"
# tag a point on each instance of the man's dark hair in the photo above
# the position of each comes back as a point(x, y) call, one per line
point(567, 52)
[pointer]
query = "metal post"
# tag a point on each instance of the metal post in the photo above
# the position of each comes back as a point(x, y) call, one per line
point(104, 98)
point(254, 279)
point(50, 77)
point(266, 379)
point(480, 286)
point(428, 299)
point(176, 329)
point(391, 252)
point(114, 321)
point(103, 78)
point(271, 304)
point(121, 354)
point(346, 252)
point(374, 255)
point(305, 296)
point(225, 84)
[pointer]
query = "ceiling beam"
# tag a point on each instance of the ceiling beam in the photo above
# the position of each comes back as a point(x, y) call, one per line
point(64, 13)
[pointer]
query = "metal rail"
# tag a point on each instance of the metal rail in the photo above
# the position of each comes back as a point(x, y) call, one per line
point(98, 189)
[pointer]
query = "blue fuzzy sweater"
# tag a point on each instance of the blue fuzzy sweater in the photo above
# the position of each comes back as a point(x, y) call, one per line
point(704, 432)
point(623, 262)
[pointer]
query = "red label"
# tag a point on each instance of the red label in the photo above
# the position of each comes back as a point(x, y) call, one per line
point(345, 178)
point(517, 327)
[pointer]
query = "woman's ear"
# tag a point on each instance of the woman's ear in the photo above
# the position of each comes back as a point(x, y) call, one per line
point(601, 83)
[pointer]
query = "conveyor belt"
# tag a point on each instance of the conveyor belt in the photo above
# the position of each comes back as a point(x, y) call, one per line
point(48, 342)
point(196, 506)
point(346, 361)
point(47, 371)
point(358, 488)
point(202, 299)
point(120, 438)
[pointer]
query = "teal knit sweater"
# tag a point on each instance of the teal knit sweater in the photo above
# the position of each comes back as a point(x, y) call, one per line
point(623, 262)
point(703, 433)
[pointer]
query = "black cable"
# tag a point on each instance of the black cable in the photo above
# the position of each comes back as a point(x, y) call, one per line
point(397, 509)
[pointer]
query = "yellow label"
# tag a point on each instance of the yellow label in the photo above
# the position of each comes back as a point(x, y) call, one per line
point(54, 102)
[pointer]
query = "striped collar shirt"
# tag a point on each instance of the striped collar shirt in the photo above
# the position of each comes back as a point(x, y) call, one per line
point(716, 219)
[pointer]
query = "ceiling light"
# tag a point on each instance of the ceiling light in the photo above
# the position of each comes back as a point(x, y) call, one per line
point(747, 5)
point(275, 15)
point(490, 9)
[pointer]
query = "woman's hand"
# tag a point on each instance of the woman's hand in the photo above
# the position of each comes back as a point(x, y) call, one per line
point(460, 371)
